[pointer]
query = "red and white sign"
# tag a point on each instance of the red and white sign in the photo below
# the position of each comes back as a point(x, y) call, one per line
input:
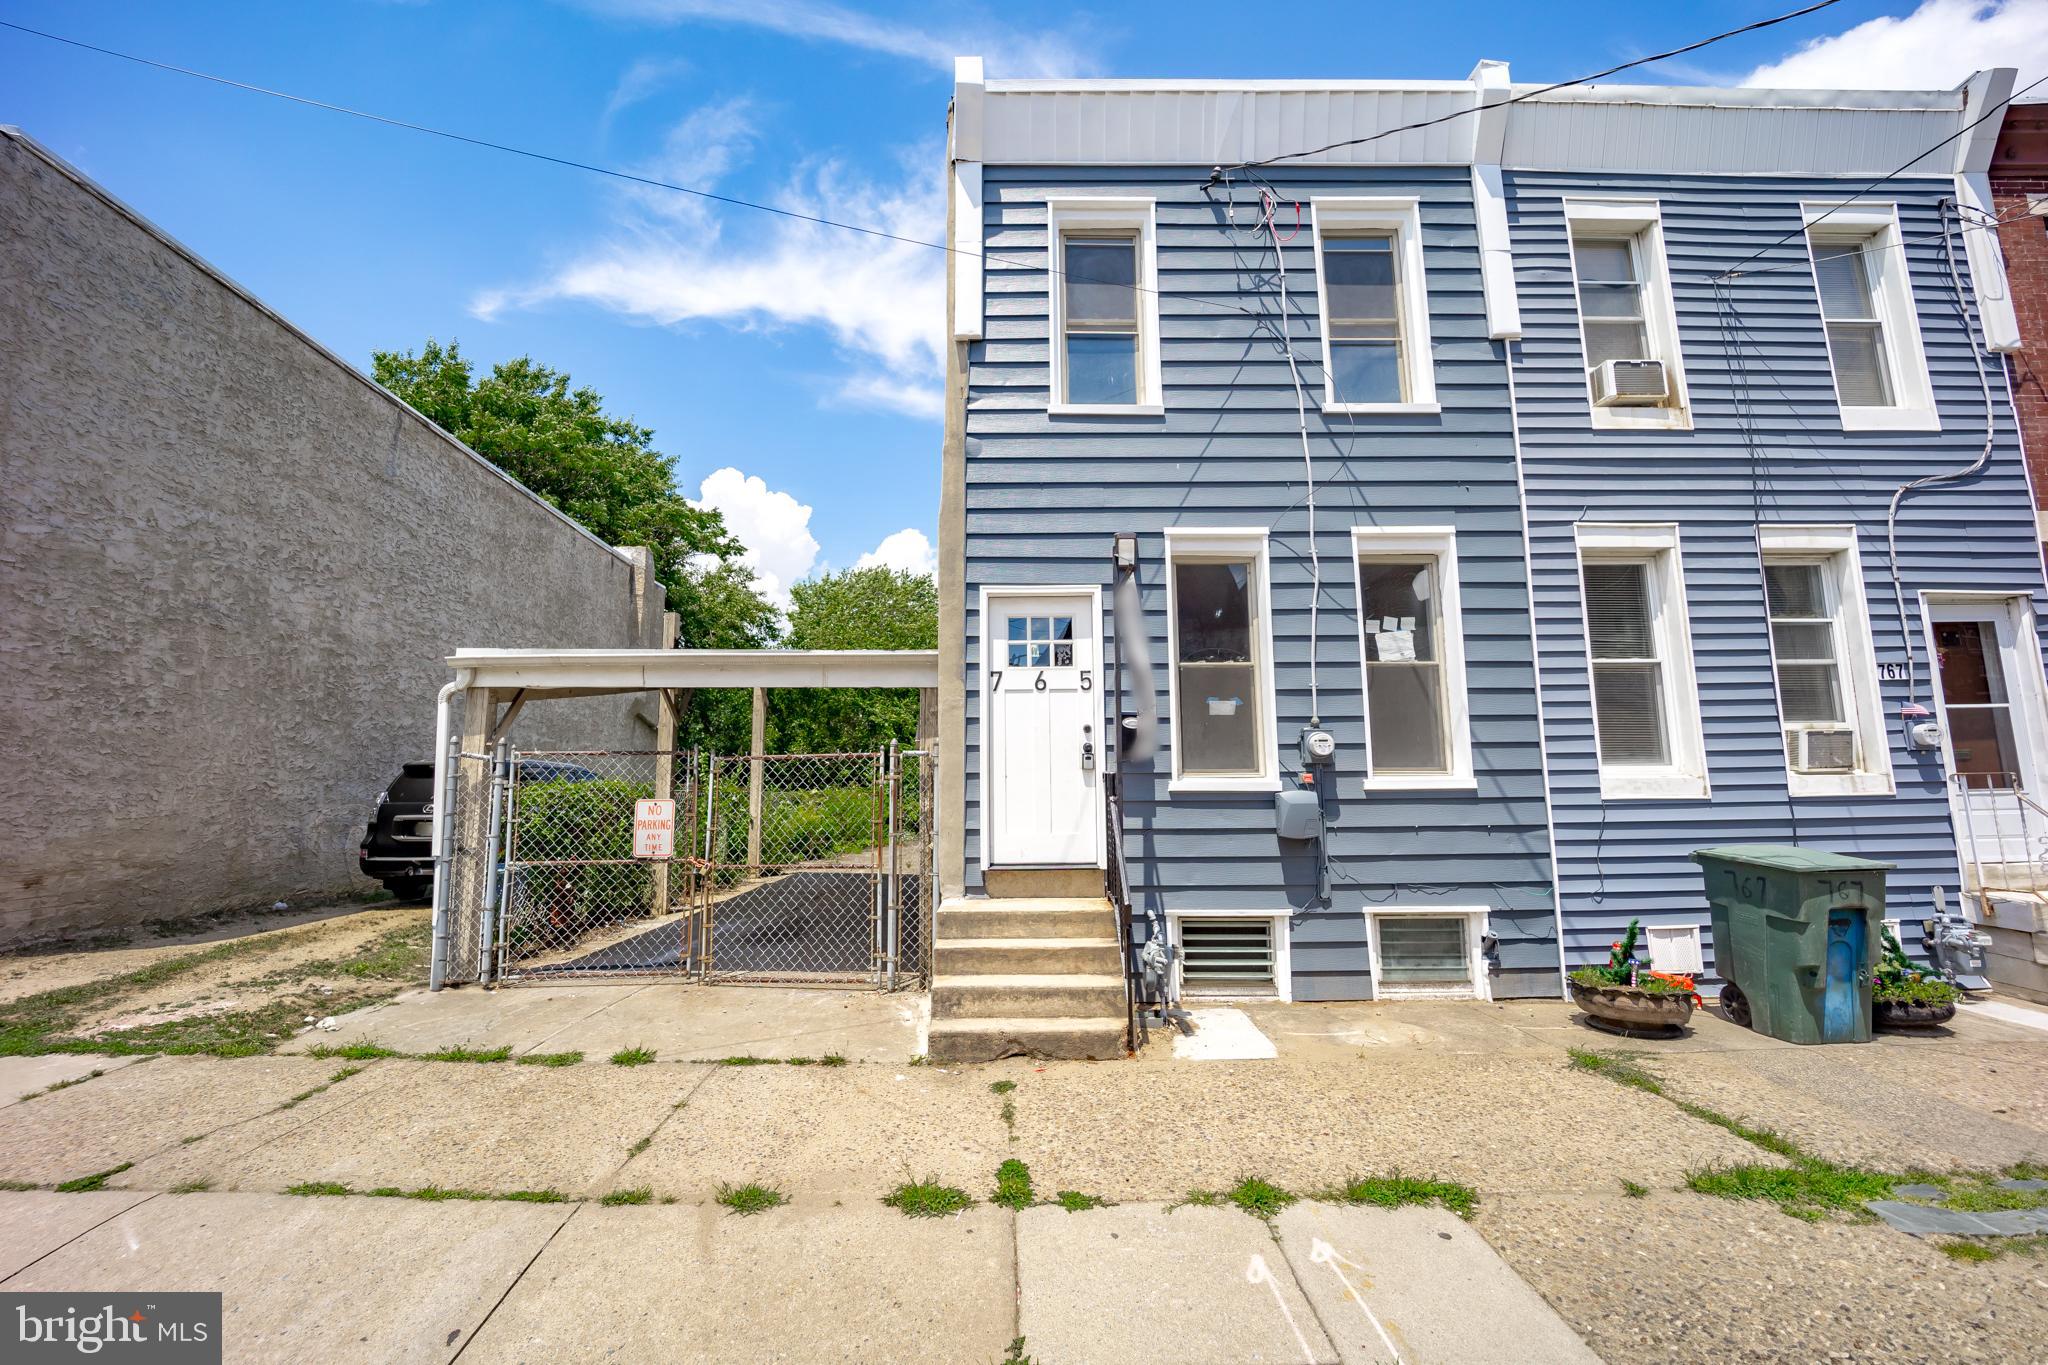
point(654, 829)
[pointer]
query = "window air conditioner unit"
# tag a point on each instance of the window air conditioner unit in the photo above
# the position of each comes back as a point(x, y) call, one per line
point(1822, 749)
point(1630, 384)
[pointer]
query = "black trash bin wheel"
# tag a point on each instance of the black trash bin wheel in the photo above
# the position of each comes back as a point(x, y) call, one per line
point(1734, 1003)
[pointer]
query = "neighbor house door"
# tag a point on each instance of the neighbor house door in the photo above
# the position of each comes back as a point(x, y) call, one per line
point(1043, 729)
point(1986, 680)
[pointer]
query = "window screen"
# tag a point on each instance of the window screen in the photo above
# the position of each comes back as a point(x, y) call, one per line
point(1404, 685)
point(1805, 643)
point(1216, 731)
point(1101, 277)
point(1424, 952)
point(1360, 277)
point(1848, 305)
point(1628, 682)
point(1611, 299)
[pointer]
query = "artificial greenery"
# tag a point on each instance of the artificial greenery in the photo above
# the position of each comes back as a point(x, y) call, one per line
point(1899, 981)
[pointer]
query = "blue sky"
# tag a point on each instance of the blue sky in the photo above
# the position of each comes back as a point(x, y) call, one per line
point(795, 369)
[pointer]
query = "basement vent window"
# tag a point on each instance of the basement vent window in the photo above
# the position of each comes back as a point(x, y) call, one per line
point(1676, 948)
point(1227, 956)
point(1428, 953)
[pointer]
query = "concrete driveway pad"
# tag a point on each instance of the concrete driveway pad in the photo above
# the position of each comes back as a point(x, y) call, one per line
point(1494, 1122)
point(315, 1279)
point(21, 1077)
point(141, 1110)
point(1421, 1283)
point(793, 1284)
point(495, 1127)
point(853, 1132)
point(35, 1223)
point(1198, 1286)
point(684, 1021)
point(430, 1021)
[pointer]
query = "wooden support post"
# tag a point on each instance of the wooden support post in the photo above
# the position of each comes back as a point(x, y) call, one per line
point(927, 718)
point(754, 776)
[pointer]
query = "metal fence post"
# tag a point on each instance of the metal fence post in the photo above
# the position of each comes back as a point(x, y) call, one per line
point(892, 941)
point(494, 881)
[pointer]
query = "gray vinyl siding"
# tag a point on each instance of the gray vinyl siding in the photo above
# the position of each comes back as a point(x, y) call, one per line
point(1045, 495)
point(1786, 460)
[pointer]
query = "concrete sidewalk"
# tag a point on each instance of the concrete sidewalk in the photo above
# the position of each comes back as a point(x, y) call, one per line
point(399, 1280)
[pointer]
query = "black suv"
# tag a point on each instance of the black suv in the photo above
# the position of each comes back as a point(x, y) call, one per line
point(398, 847)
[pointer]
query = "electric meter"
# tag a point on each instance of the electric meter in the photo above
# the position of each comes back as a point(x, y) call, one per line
point(1317, 746)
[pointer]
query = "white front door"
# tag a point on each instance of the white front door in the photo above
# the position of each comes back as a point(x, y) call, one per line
point(1991, 727)
point(1043, 730)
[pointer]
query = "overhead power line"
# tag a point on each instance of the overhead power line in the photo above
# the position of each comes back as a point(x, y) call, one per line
point(1544, 90)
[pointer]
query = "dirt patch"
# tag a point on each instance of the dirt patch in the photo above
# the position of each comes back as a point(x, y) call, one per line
point(234, 996)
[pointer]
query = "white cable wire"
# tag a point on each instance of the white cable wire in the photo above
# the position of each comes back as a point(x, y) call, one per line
point(1315, 562)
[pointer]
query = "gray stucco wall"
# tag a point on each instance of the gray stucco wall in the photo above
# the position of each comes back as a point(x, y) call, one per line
point(231, 569)
point(1045, 496)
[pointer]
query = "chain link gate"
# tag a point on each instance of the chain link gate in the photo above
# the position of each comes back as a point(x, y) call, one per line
point(572, 898)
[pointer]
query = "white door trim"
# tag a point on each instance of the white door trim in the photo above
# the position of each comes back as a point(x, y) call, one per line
point(2028, 687)
point(1103, 758)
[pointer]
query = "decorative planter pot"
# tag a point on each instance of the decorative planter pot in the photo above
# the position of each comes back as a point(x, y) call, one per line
point(1632, 1011)
point(1909, 1014)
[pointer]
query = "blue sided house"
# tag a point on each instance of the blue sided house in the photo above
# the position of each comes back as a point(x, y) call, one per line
point(1386, 527)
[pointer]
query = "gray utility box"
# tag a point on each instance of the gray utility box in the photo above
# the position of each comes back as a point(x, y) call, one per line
point(1797, 935)
point(1297, 814)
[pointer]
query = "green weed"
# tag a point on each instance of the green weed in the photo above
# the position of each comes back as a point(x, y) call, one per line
point(750, 1198)
point(1073, 1201)
point(97, 1181)
point(549, 1059)
point(927, 1198)
point(1392, 1191)
point(467, 1054)
point(1013, 1185)
point(641, 1195)
point(318, 1188)
point(633, 1056)
point(1260, 1198)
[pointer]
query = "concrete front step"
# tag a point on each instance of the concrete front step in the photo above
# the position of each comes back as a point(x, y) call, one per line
point(1028, 882)
point(1044, 996)
point(1079, 917)
point(1024, 956)
point(1065, 1039)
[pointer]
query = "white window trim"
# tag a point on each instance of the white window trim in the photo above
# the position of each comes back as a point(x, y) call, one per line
point(1897, 315)
point(1834, 547)
point(1283, 952)
point(1203, 542)
point(1103, 214)
point(1685, 777)
point(1641, 221)
point(1402, 217)
point(1475, 917)
point(1441, 542)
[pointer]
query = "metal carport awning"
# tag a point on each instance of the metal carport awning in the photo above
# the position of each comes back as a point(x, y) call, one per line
point(601, 672)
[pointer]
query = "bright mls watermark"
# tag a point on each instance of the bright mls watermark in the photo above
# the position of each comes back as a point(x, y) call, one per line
point(166, 1329)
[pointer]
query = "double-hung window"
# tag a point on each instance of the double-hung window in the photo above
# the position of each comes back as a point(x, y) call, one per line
point(1221, 638)
point(1645, 699)
point(1823, 662)
point(1105, 308)
point(1411, 639)
point(1867, 313)
point(1374, 306)
point(1626, 315)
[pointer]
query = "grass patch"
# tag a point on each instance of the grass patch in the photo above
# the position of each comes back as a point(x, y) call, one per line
point(927, 1198)
point(1808, 1190)
point(1981, 1196)
point(1198, 1199)
point(1073, 1201)
point(1015, 1355)
point(55, 1086)
point(1635, 1191)
point(1392, 1191)
point(642, 1145)
point(534, 1197)
point(343, 1074)
point(832, 1059)
point(17, 1186)
point(750, 1198)
point(641, 1195)
point(319, 1188)
point(432, 1194)
point(799, 1061)
point(1013, 1185)
point(353, 1052)
point(1976, 1250)
point(470, 1054)
point(1001, 1087)
point(192, 1187)
point(97, 1181)
point(633, 1056)
point(1765, 1138)
point(1260, 1198)
point(748, 1060)
point(549, 1059)
point(1616, 1067)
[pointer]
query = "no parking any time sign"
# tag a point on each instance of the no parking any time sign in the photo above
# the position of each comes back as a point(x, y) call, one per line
point(654, 829)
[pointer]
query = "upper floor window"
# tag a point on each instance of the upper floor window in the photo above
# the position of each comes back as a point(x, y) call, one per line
point(1105, 307)
point(1866, 308)
point(1411, 634)
point(1824, 662)
point(1219, 613)
point(1375, 306)
point(1646, 716)
point(1635, 375)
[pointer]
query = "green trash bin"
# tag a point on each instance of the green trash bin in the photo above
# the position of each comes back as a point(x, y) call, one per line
point(1797, 936)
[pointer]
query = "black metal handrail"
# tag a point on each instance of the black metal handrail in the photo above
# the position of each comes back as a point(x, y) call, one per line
point(1119, 888)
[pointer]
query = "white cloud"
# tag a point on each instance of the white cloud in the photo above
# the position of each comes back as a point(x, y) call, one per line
point(1011, 52)
point(1936, 47)
point(643, 79)
point(906, 551)
point(774, 527)
point(669, 261)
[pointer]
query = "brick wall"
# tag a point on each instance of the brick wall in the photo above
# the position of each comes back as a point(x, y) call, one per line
point(2025, 239)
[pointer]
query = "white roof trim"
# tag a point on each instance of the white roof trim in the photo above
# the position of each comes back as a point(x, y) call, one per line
point(589, 672)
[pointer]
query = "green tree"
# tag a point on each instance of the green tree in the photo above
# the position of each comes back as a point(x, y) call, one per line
point(875, 608)
point(604, 471)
